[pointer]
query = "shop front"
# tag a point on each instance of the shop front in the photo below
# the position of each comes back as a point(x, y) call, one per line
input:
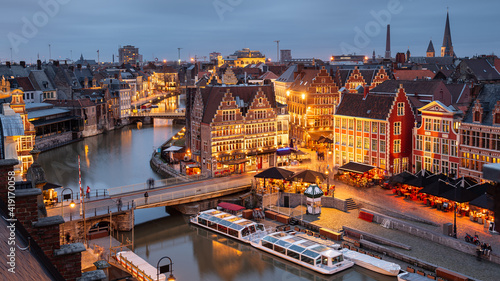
point(361, 175)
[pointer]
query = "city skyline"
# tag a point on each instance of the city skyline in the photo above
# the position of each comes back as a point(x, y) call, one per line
point(225, 26)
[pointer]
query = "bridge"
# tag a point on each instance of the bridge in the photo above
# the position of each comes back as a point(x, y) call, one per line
point(165, 115)
point(167, 192)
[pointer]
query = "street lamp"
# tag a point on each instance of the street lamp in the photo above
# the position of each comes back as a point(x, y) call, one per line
point(163, 269)
point(71, 204)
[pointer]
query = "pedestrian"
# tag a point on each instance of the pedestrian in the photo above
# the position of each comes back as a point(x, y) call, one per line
point(119, 204)
point(146, 197)
point(68, 237)
point(152, 183)
point(133, 204)
point(478, 252)
point(88, 192)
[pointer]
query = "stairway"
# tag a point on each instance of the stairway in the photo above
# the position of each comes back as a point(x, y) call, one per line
point(351, 205)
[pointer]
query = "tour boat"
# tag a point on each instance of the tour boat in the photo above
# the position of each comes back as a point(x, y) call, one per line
point(228, 224)
point(407, 276)
point(372, 263)
point(301, 250)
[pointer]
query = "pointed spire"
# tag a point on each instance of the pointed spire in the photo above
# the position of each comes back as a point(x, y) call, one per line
point(447, 48)
point(430, 48)
point(388, 43)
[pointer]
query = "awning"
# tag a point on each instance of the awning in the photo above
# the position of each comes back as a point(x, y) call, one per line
point(355, 167)
point(231, 206)
point(173, 148)
point(235, 162)
point(38, 123)
point(283, 151)
point(50, 185)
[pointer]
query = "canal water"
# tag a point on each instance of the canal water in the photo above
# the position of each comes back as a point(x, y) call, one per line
point(120, 158)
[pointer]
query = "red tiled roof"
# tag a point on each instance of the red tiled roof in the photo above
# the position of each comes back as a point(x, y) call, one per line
point(25, 83)
point(375, 106)
point(304, 80)
point(413, 74)
point(269, 75)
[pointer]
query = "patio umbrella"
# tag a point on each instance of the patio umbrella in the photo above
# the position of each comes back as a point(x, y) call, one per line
point(484, 201)
point(420, 179)
point(275, 173)
point(463, 194)
point(437, 188)
point(308, 176)
point(464, 181)
point(401, 177)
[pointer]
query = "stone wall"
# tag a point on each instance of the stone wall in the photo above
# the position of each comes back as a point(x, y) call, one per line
point(53, 141)
point(296, 199)
point(121, 221)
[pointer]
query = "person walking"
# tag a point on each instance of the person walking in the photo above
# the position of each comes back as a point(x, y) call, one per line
point(88, 192)
point(146, 195)
point(119, 204)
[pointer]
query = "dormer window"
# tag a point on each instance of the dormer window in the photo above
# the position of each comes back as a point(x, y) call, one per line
point(496, 118)
point(477, 112)
point(477, 116)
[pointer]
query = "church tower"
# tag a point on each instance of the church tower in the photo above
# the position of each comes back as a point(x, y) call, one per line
point(430, 50)
point(447, 48)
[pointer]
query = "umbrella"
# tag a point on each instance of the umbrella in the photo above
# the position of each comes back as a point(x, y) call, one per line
point(462, 194)
point(274, 173)
point(401, 177)
point(437, 188)
point(465, 181)
point(308, 176)
point(484, 201)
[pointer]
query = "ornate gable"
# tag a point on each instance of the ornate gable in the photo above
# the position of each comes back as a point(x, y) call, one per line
point(477, 112)
point(496, 114)
point(214, 79)
point(229, 78)
point(355, 80)
point(323, 83)
point(260, 107)
point(228, 110)
point(379, 78)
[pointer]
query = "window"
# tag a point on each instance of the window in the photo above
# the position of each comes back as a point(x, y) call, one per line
point(437, 125)
point(382, 163)
point(418, 144)
point(359, 124)
point(337, 138)
point(374, 127)
point(445, 147)
point(382, 128)
point(351, 124)
point(445, 168)
point(418, 163)
point(344, 138)
point(436, 145)
point(358, 142)
point(374, 145)
point(477, 116)
point(228, 115)
point(427, 163)
point(397, 146)
point(337, 122)
point(453, 149)
point(427, 124)
point(367, 126)
point(382, 146)
point(454, 169)
point(397, 128)
point(344, 123)
point(396, 166)
point(404, 164)
point(367, 143)
point(496, 118)
point(427, 144)
point(435, 166)
point(446, 126)
point(351, 141)
point(401, 108)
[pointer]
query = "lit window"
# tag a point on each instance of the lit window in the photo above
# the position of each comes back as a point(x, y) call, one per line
point(397, 128)
point(401, 108)
point(397, 146)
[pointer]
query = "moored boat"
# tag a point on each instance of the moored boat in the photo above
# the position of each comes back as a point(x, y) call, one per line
point(372, 263)
point(407, 276)
point(228, 224)
point(303, 251)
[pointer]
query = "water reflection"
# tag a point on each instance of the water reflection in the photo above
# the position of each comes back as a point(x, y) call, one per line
point(116, 158)
point(199, 254)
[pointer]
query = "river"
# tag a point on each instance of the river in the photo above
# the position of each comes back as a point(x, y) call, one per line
point(120, 158)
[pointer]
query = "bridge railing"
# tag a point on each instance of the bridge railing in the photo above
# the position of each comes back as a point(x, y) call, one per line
point(115, 191)
point(190, 192)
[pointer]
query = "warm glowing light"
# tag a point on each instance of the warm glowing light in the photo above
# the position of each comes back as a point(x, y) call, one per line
point(72, 204)
point(331, 58)
point(366, 58)
point(86, 150)
point(303, 96)
point(192, 59)
point(288, 93)
point(164, 61)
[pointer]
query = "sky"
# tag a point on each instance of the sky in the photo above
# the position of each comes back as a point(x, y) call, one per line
point(314, 28)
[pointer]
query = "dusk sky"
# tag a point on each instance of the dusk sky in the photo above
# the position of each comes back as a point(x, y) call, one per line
point(317, 28)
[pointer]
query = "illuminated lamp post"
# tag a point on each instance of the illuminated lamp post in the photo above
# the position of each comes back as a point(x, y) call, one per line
point(166, 268)
point(71, 204)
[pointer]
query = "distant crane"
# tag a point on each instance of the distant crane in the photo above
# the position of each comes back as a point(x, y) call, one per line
point(278, 50)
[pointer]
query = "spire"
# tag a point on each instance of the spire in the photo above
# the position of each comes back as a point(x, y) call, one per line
point(447, 48)
point(388, 43)
point(373, 56)
point(430, 50)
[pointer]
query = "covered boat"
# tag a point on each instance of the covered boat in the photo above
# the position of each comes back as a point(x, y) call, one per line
point(303, 251)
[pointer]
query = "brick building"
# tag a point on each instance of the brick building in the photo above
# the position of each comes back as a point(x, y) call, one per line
point(436, 139)
point(375, 129)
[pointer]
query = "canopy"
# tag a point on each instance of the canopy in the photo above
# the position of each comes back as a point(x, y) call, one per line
point(462, 194)
point(464, 181)
point(275, 173)
point(403, 177)
point(299, 152)
point(355, 167)
point(173, 148)
point(231, 206)
point(437, 188)
point(49, 185)
point(484, 201)
point(425, 178)
point(308, 176)
point(313, 191)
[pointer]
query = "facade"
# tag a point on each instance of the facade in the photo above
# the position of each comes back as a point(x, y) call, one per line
point(43, 84)
point(283, 82)
point(129, 54)
point(311, 99)
point(374, 129)
point(245, 57)
point(285, 55)
point(436, 140)
point(447, 48)
point(480, 133)
point(236, 128)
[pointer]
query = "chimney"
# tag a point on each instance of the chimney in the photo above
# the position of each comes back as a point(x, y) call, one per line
point(39, 64)
point(366, 92)
point(388, 43)
point(7, 63)
point(23, 64)
point(56, 63)
point(79, 66)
